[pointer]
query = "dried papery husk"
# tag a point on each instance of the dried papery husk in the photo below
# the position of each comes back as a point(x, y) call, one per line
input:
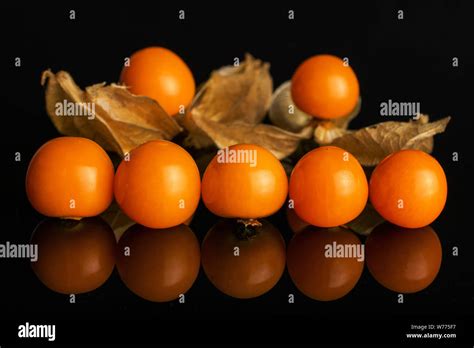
point(232, 93)
point(117, 220)
point(284, 113)
point(326, 131)
point(372, 144)
point(121, 121)
point(229, 107)
point(278, 141)
point(366, 221)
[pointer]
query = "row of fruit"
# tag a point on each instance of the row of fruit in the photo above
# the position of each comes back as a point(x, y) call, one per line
point(323, 85)
point(158, 184)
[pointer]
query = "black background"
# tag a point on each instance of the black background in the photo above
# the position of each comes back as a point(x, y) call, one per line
point(403, 60)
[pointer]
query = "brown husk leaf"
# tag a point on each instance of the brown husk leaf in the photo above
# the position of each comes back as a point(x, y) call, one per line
point(280, 142)
point(366, 221)
point(230, 106)
point(372, 144)
point(122, 120)
point(326, 131)
point(117, 220)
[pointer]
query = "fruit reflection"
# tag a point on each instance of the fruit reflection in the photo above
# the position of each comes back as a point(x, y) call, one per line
point(243, 262)
point(402, 259)
point(74, 256)
point(296, 223)
point(158, 264)
point(318, 275)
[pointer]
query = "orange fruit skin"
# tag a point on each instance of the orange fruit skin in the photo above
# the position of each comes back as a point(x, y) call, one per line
point(326, 189)
point(237, 190)
point(317, 276)
point(324, 87)
point(69, 168)
point(74, 257)
point(160, 74)
point(403, 260)
point(417, 179)
point(159, 186)
point(162, 264)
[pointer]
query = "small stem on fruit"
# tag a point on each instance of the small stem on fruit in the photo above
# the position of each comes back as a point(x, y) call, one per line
point(247, 228)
